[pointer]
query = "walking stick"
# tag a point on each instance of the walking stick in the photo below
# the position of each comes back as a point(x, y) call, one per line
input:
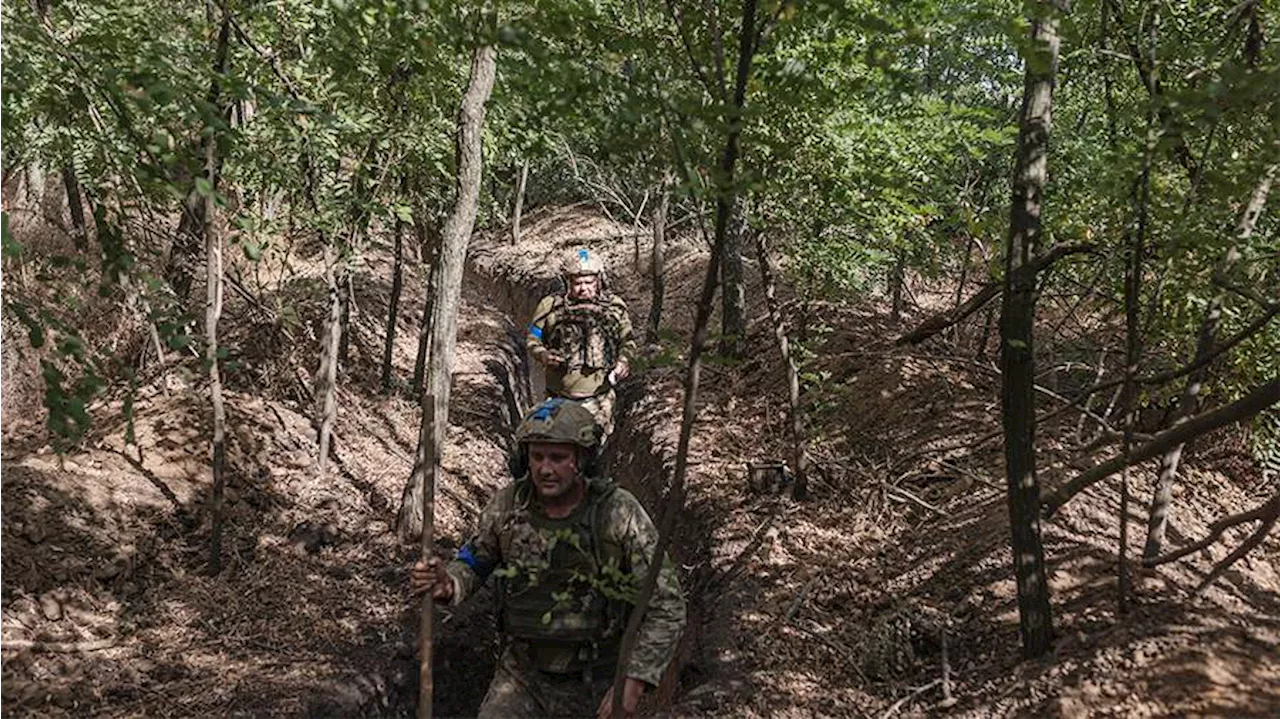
point(430, 470)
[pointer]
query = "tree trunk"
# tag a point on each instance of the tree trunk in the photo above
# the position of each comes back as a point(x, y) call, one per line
point(453, 253)
point(896, 281)
point(186, 242)
point(1017, 318)
point(393, 310)
point(515, 215)
point(75, 203)
point(728, 240)
point(326, 381)
point(213, 309)
point(428, 315)
point(799, 462)
point(1133, 355)
point(733, 292)
point(430, 453)
point(346, 292)
point(675, 498)
point(657, 262)
point(1189, 402)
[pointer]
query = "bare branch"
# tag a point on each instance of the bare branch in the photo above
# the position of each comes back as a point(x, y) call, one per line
point(990, 291)
point(1244, 408)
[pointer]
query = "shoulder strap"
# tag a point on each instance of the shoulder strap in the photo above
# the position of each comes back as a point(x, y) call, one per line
point(601, 490)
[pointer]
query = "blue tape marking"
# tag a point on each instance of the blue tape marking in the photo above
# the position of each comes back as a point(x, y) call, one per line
point(547, 409)
point(536, 331)
point(584, 255)
point(481, 568)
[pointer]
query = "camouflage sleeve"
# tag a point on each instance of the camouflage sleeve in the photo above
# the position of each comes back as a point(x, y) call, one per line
point(482, 553)
point(626, 338)
point(629, 525)
point(537, 326)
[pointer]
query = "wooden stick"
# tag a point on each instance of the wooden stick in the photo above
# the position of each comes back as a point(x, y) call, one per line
point(903, 701)
point(430, 473)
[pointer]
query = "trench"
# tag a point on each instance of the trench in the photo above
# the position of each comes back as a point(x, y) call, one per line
point(466, 642)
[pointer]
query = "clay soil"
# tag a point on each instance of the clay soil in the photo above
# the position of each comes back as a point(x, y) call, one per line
point(837, 606)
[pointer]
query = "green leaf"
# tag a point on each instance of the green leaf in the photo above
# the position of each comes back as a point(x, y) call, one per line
point(11, 248)
point(204, 187)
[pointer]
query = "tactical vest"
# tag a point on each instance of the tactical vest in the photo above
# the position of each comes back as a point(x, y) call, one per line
point(560, 583)
point(587, 333)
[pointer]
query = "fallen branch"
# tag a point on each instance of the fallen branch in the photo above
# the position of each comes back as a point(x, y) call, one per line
point(904, 495)
point(58, 647)
point(798, 602)
point(989, 291)
point(1259, 399)
point(1266, 511)
point(903, 701)
point(1249, 544)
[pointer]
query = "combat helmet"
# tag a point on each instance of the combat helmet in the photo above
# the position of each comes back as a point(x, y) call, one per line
point(583, 262)
point(558, 420)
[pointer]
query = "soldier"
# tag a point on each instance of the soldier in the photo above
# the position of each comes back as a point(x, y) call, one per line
point(569, 550)
point(583, 338)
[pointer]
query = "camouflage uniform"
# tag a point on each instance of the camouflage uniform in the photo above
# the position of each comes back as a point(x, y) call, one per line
point(590, 354)
point(566, 587)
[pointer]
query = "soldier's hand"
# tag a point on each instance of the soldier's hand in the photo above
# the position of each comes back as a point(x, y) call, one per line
point(553, 359)
point(430, 576)
point(622, 370)
point(632, 689)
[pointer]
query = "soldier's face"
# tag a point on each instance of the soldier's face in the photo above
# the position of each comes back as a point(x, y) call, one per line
point(553, 466)
point(584, 287)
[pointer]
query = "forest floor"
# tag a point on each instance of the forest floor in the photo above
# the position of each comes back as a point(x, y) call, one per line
point(837, 606)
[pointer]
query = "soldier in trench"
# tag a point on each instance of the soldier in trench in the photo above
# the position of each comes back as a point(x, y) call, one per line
point(568, 549)
point(583, 338)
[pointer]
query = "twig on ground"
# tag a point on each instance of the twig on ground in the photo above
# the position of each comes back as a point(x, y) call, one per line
point(903, 701)
point(799, 600)
point(93, 645)
point(903, 495)
point(947, 700)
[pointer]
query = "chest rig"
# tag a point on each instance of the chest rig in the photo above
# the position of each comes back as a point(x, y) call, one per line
point(564, 589)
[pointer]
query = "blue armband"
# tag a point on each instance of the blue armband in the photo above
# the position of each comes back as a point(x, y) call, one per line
point(480, 567)
point(535, 331)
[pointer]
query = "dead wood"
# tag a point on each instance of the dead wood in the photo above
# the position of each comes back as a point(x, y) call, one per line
point(1244, 408)
point(1265, 512)
point(989, 291)
point(93, 645)
point(897, 706)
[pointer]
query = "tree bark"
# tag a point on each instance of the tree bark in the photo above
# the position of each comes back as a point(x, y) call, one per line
point(430, 455)
point(729, 243)
point(1017, 319)
point(393, 309)
point(799, 462)
point(454, 241)
point(191, 225)
point(213, 309)
point(657, 261)
point(75, 204)
point(1189, 402)
point(326, 380)
point(897, 278)
point(734, 295)
point(519, 208)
